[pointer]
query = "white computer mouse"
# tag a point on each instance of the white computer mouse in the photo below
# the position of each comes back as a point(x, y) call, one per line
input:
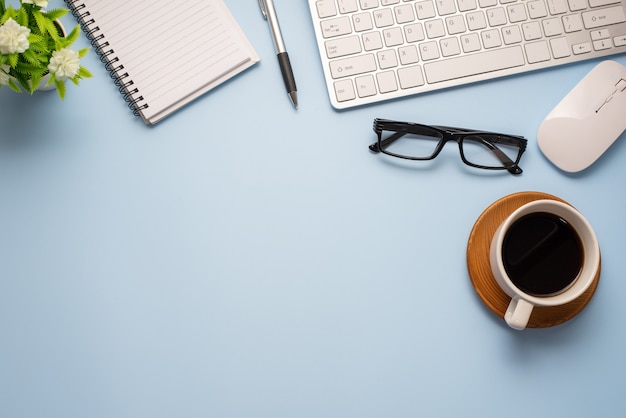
point(588, 120)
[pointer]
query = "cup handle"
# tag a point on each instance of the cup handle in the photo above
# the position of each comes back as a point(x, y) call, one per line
point(518, 313)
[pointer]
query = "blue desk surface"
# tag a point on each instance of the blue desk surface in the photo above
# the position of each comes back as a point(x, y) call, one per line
point(243, 259)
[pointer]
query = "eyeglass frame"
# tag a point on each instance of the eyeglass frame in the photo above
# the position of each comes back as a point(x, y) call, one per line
point(448, 134)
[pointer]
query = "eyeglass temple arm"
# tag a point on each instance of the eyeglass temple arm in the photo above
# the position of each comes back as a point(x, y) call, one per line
point(376, 146)
point(510, 165)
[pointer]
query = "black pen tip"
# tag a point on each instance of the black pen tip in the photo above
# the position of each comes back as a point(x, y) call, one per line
point(294, 99)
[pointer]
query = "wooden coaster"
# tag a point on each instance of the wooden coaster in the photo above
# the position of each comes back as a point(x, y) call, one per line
point(482, 278)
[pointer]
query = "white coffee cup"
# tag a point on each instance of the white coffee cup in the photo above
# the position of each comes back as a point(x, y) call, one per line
point(520, 308)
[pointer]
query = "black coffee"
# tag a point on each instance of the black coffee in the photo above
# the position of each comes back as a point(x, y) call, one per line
point(542, 254)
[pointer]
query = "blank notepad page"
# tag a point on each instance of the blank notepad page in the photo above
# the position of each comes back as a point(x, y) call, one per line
point(162, 53)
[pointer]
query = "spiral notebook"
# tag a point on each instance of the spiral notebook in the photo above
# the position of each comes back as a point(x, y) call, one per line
point(164, 54)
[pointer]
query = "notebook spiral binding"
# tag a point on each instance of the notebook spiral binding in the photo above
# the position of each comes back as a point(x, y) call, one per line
point(107, 55)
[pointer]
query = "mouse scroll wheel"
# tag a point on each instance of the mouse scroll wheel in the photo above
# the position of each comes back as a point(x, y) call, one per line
point(621, 85)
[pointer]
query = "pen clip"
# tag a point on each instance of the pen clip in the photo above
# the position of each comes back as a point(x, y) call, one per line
point(263, 7)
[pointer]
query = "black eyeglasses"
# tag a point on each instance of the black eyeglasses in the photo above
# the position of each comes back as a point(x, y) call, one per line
point(412, 141)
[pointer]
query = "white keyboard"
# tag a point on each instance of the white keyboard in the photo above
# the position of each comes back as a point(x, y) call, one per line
point(374, 50)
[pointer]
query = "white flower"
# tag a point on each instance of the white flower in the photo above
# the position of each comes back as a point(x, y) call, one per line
point(4, 75)
point(40, 3)
point(64, 64)
point(13, 38)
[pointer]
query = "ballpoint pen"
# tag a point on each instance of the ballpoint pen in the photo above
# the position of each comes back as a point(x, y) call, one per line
point(269, 14)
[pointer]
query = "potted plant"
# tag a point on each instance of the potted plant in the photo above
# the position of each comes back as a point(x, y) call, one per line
point(34, 48)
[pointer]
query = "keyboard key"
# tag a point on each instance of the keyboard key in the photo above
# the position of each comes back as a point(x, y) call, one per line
point(487, 3)
point(383, 18)
point(336, 27)
point(393, 36)
point(435, 28)
point(429, 51)
point(387, 82)
point(552, 27)
point(445, 7)
point(346, 67)
point(336, 48)
point(532, 31)
point(517, 13)
point(537, 9)
point(455, 25)
point(620, 40)
point(449, 47)
point(496, 17)
point(347, 6)
point(476, 20)
point(599, 34)
point(491, 38)
point(557, 7)
point(410, 77)
point(408, 55)
point(582, 48)
point(372, 41)
point(368, 4)
point(609, 16)
point(414, 32)
point(560, 47)
point(470, 42)
point(602, 44)
point(467, 5)
point(425, 9)
point(344, 90)
point(511, 35)
point(572, 23)
point(362, 22)
point(537, 52)
point(576, 5)
point(365, 86)
point(599, 3)
point(404, 14)
point(387, 59)
point(326, 8)
point(474, 64)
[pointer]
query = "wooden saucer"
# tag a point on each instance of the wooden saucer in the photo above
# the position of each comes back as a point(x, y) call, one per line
point(485, 283)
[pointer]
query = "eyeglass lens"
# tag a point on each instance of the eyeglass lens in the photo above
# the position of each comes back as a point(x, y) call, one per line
point(421, 146)
point(483, 151)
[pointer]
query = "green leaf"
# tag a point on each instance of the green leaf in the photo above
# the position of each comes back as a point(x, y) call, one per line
point(83, 52)
point(27, 68)
point(55, 14)
point(13, 60)
point(21, 17)
point(34, 38)
point(35, 80)
point(31, 57)
point(52, 30)
point(41, 21)
point(14, 86)
point(60, 88)
point(73, 35)
point(84, 73)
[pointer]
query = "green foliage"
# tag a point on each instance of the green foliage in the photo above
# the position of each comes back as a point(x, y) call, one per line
point(27, 69)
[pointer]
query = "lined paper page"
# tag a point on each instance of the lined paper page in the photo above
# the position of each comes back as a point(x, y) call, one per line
point(172, 52)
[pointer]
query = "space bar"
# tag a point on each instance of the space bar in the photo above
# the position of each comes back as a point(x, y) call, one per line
point(468, 65)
